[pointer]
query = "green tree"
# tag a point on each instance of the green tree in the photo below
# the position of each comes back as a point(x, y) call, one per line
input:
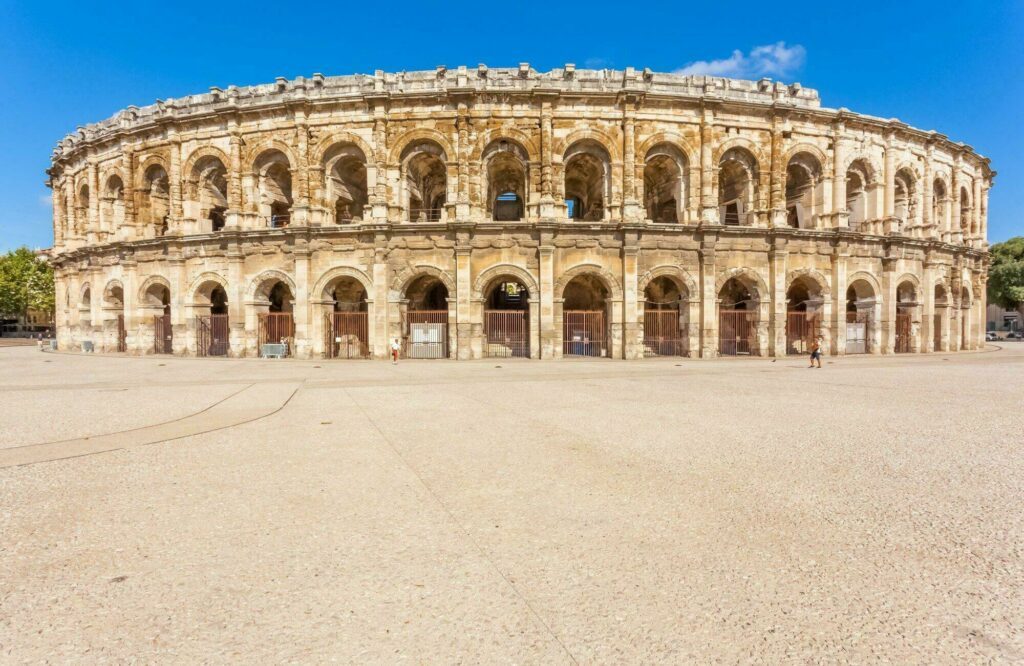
point(1006, 273)
point(26, 282)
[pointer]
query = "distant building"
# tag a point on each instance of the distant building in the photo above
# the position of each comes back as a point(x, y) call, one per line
point(1001, 319)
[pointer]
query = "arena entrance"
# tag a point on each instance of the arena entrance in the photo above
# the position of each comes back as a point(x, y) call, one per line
point(737, 320)
point(664, 331)
point(158, 297)
point(212, 329)
point(585, 317)
point(860, 305)
point(426, 319)
point(803, 320)
point(277, 324)
point(507, 319)
point(906, 302)
point(346, 327)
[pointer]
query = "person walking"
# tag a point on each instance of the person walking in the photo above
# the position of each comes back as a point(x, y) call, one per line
point(395, 348)
point(816, 351)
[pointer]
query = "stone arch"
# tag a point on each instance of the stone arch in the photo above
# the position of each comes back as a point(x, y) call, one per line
point(760, 159)
point(198, 154)
point(673, 139)
point(611, 282)
point(803, 147)
point(913, 279)
point(505, 169)
point(202, 280)
point(409, 274)
point(749, 277)
point(678, 275)
point(144, 295)
point(526, 142)
point(110, 297)
point(870, 167)
point(410, 137)
point(813, 275)
point(912, 167)
point(108, 174)
point(324, 281)
point(495, 271)
point(265, 145)
point(85, 294)
point(320, 149)
point(147, 162)
point(870, 279)
point(609, 142)
point(259, 286)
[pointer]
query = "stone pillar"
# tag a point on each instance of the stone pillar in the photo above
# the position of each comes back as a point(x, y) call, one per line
point(236, 300)
point(92, 225)
point(463, 304)
point(128, 230)
point(956, 232)
point(232, 217)
point(632, 210)
point(379, 196)
point(550, 207)
point(887, 322)
point(174, 182)
point(304, 327)
point(708, 299)
point(58, 217)
point(777, 259)
point(708, 201)
point(301, 200)
point(463, 147)
point(927, 306)
point(928, 191)
point(777, 191)
point(179, 297)
point(983, 234)
point(840, 213)
point(130, 284)
point(632, 331)
point(976, 215)
point(379, 334)
point(890, 177)
point(549, 334)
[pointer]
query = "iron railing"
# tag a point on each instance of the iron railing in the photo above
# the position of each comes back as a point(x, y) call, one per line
point(584, 333)
point(506, 333)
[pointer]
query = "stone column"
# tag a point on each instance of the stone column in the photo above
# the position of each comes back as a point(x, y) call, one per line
point(92, 225)
point(549, 335)
point(300, 207)
point(840, 213)
point(927, 306)
point(983, 234)
point(462, 147)
point(777, 259)
point(301, 309)
point(956, 232)
point(887, 323)
point(777, 191)
point(174, 178)
point(708, 299)
point(976, 215)
point(927, 223)
point(890, 177)
point(631, 206)
point(463, 305)
point(128, 230)
point(632, 331)
point(379, 333)
point(130, 283)
point(708, 202)
point(550, 207)
point(236, 300)
point(179, 323)
point(232, 217)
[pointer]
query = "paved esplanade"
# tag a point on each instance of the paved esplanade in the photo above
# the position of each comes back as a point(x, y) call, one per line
point(596, 511)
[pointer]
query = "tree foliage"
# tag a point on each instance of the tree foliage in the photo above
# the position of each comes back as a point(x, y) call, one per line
point(1006, 273)
point(26, 282)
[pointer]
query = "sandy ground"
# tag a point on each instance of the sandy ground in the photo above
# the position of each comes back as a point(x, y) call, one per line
point(180, 510)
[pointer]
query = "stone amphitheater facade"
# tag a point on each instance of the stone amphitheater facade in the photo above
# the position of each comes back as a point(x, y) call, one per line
point(471, 212)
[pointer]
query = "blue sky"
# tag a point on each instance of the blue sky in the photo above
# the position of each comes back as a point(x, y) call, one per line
point(956, 68)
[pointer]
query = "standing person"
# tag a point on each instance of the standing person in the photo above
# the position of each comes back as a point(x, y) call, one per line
point(816, 351)
point(395, 348)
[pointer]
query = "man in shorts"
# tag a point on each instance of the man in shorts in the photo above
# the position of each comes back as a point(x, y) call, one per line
point(816, 351)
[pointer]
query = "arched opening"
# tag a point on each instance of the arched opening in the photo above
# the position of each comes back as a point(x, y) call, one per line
point(113, 320)
point(157, 299)
point(906, 304)
point(804, 191)
point(737, 318)
point(424, 164)
point(506, 318)
point(665, 184)
point(276, 331)
point(274, 187)
point(965, 318)
point(737, 187)
point(85, 308)
point(347, 189)
point(665, 329)
point(208, 192)
point(859, 194)
point(804, 299)
point(426, 318)
point(965, 212)
point(940, 202)
point(506, 180)
point(939, 318)
point(586, 173)
point(112, 205)
point(211, 322)
point(585, 317)
point(860, 308)
point(347, 324)
point(905, 203)
point(155, 204)
point(82, 209)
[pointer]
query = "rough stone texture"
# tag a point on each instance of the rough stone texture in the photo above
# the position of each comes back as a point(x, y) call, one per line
point(442, 512)
point(375, 181)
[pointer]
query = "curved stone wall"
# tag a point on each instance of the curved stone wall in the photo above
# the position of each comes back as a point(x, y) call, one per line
point(509, 211)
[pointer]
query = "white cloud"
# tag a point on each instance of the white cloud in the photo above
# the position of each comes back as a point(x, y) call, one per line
point(772, 60)
point(46, 200)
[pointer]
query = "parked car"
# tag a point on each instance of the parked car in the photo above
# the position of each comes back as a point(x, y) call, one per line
point(991, 337)
point(1015, 335)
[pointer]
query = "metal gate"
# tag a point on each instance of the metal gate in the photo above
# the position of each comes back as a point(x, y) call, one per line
point(736, 332)
point(276, 328)
point(122, 334)
point(937, 332)
point(902, 345)
point(506, 333)
point(583, 333)
point(663, 336)
point(212, 335)
point(857, 332)
point(346, 335)
point(426, 334)
point(163, 335)
point(801, 329)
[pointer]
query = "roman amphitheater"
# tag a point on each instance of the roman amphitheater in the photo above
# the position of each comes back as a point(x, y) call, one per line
point(476, 212)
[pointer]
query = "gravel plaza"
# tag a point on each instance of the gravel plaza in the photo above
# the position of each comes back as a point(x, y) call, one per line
point(578, 511)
